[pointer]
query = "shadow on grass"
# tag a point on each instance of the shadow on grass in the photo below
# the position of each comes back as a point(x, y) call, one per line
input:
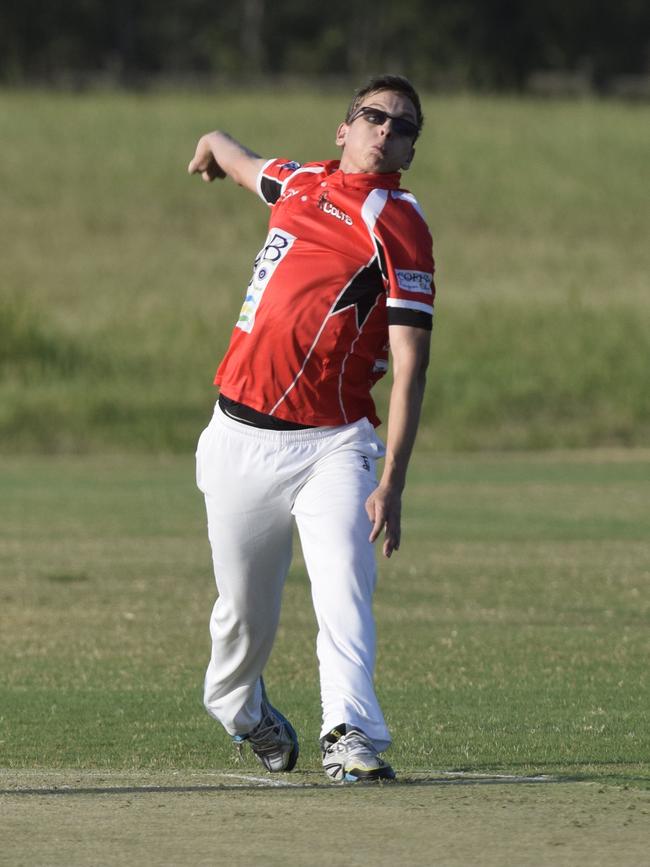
point(252, 784)
point(230, 781)
point(586, 771)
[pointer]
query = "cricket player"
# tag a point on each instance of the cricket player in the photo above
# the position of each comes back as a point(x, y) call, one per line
point(344, 276)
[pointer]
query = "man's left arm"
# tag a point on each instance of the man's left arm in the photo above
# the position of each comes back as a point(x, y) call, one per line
point(410, 358)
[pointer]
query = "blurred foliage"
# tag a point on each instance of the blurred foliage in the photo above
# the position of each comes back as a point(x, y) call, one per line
point(485, 43)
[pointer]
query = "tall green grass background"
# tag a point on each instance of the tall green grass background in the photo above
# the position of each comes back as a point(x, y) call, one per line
point(121, 277)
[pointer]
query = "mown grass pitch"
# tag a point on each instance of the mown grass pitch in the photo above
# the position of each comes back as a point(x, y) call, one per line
point(195, 819)
point(512, 624)
point(513, 641)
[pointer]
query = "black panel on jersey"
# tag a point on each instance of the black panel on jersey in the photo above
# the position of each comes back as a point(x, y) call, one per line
point(404, 316)
point(247, 415)
point(271, 189)
point(362, 292)
point(382, 258)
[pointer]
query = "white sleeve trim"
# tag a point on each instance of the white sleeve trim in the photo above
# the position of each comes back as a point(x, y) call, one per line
point(410, 198)
point(409, 305)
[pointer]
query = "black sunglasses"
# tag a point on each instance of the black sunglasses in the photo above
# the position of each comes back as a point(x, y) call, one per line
point(378, 117)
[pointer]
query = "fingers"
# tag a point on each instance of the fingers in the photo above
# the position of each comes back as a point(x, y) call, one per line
point(208, 169)
point(212, 170)
point(376, 511)
point(377, 525)
point(201, 167)
point(391, 540)
point(203, 162)
point(373, 516)
point(384, 515)
point(198, 167)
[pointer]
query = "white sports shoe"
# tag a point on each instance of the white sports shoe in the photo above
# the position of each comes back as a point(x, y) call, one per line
point(350, 756)
point(273, 740)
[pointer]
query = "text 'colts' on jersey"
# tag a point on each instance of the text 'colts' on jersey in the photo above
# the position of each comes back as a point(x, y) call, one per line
point(346, 256)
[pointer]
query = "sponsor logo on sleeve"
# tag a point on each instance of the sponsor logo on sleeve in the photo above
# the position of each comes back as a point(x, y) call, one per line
point(414, 281)
point(287, 194)
point(290, 166)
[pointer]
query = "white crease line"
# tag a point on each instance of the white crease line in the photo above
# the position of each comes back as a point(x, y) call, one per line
point(265, 780)
point(148, 780)
point(470, 775)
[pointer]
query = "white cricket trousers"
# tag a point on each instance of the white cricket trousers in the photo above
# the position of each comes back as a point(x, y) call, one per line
point(255, 483)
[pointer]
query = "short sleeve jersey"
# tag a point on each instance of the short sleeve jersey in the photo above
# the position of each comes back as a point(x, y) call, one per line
point(346, 256)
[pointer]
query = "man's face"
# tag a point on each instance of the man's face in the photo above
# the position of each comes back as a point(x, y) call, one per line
point(374, 147)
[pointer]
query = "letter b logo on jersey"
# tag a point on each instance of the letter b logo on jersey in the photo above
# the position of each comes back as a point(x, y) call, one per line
point(275, 248)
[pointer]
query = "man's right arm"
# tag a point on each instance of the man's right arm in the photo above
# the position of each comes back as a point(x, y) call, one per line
point(219, 155)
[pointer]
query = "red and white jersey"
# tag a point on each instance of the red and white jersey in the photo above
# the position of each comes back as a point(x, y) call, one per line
point(346, 256)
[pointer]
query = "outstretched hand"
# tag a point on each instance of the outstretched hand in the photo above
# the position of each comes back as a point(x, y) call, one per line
point(203, 162)
point(384, 508)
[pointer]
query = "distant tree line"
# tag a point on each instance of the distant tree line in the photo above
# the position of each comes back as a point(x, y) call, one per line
point(476, 43)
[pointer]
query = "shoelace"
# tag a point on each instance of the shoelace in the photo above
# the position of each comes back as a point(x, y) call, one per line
point(356, 743)
point(265, 736)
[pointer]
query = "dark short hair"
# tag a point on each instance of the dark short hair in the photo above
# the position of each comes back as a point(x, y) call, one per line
point(395, 83)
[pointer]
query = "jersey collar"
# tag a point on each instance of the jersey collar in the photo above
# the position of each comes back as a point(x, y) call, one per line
point(364, 180)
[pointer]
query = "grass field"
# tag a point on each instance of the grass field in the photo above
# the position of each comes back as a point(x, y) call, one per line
point(513, 641)
point(513, 624)
point(121, 277)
